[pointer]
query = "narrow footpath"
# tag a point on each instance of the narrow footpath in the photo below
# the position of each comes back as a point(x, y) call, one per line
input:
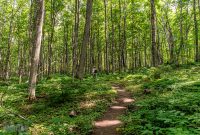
point(109, 123)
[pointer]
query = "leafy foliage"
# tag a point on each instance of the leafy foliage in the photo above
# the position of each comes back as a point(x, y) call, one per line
point(171, 108)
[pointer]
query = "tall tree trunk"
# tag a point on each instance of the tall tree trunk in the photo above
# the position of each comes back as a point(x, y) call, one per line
point(36, 48)
point(170, 41)
point(42, 52)
point(124, 48)
point(20, 60)
point(51, 36)
point(99, 50)
point(7, 64)
point(66, 58)
point(85, 40)
point(153, 33)
point(113, 40)
point(145, 51)
point(106, 38)
point(181, 33)
point(196, 32)
point(91, 51)
point(75, 38)
point(119, 38)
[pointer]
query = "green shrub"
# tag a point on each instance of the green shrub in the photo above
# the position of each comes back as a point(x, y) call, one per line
point(161, 84)
point(166, 68)
point(155, 73)
point(136, 79)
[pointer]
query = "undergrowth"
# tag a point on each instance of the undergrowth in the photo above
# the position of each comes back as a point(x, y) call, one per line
point(56, 98)
point(171, 107)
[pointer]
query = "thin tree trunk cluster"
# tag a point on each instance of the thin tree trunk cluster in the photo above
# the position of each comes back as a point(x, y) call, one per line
point(112, 36)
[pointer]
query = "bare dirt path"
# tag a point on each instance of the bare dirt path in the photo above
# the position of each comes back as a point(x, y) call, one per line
point(108, 124)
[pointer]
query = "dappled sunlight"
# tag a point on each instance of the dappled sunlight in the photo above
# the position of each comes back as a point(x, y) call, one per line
point(134, 88)
point(87, 104)
point(107, 123)
point(37, 129)
point(90, 94)
point(118, 107)
point(126, 100)
point(184, 84)
point(121, 90)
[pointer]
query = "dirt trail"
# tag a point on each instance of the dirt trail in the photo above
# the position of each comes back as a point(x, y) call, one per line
point(108, 124)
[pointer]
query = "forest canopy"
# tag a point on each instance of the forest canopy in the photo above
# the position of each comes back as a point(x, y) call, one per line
point(120, 35)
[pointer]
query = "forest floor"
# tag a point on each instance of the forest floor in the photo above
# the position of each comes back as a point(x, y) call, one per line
point(56, 98)
point(171, 105)
point(167, 101)
point(110, 122)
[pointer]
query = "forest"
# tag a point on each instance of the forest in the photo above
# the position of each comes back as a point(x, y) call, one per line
point(99, 67)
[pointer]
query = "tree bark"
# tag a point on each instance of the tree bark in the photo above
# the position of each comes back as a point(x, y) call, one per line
point(119, 38)
point(66, 52)
point(196, 32)
point(181, 33)
point(75, 38)
point(124, 48)
point(51, 36)
point(7, 65)
point(106, 38)
point(113, 40)
point(36, 48)
point(153, 33)
point(85, 40)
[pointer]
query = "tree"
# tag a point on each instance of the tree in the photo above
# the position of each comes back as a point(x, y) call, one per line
point(153, 33)
point(75, 38)
point(36, 48)
point(85, 39)
point(121, 37)
point(196, 32)
point(9, 44)
point(106, 38)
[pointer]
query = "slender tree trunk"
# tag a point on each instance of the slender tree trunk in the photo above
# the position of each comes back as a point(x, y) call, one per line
point(153, 33)
point(42, 52)
point(181, 33)
point(113, 40)
point(85, 40)
point(132, 53)
point(20, 60)
point(106, 38)
point(36, 48)
point(196, 32)
point(171, 42)
point(119, 38)
point(51, 36)
point(75, 38)
point(7, 64)
point(30, 34)
point(145, 51)
point(124, 55)
point(99, 50)
point(66, 58)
